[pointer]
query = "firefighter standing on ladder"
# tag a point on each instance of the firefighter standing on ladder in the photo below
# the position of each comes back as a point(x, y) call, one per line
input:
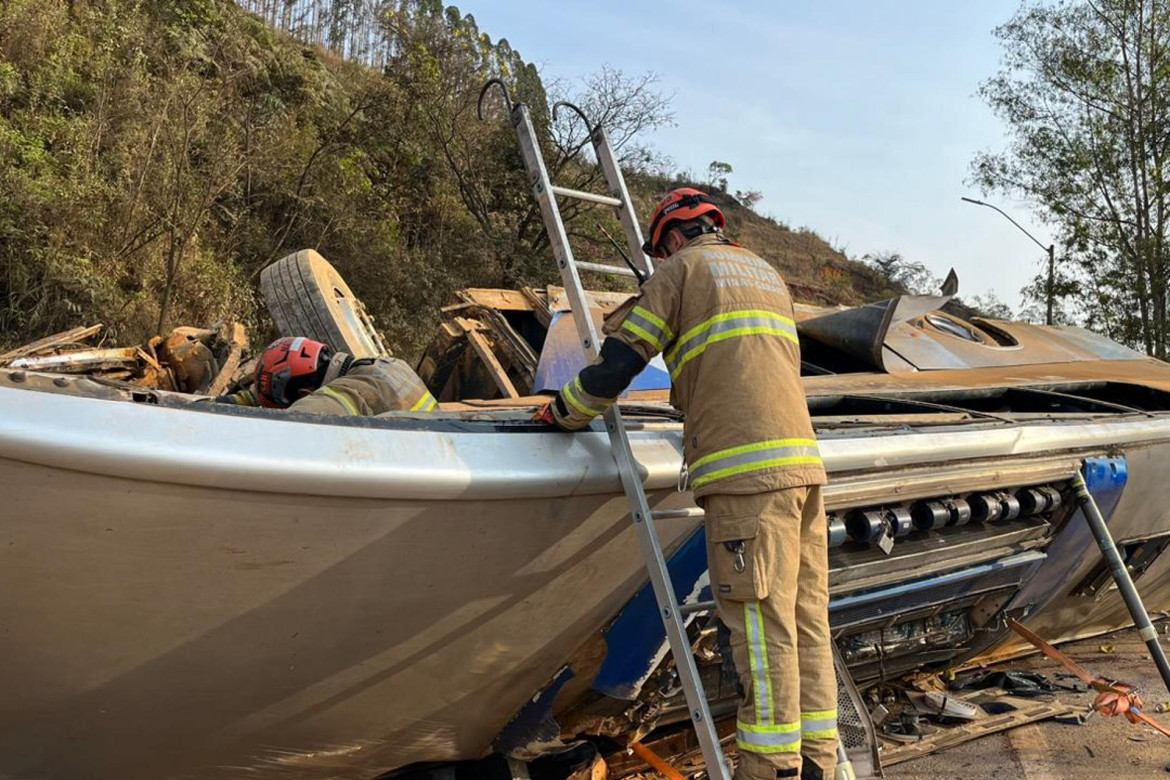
point(723, 319)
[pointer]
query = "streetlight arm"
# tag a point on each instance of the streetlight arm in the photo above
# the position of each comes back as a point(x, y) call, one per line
point(1009, 219)
point(1050, 287)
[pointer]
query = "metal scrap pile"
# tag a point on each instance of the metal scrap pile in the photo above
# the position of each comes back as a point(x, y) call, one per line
point(207, 361)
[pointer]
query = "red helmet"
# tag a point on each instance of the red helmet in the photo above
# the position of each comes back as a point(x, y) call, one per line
point(681, 205)
point(289, 369)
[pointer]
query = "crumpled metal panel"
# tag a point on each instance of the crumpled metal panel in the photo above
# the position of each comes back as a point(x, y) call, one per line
point(637, 639)
point(534, 731)
point(860, 332)
point(929, 349)
point(563, 356)
point(910, 333)
point(1106, 479)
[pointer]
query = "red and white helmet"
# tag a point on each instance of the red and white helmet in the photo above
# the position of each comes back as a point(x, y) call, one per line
point(682, 205)
point(289, 369)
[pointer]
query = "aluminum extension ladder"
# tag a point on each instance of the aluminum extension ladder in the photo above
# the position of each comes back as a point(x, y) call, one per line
point(546, 194)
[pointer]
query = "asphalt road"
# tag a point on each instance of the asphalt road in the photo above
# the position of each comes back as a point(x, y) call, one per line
point(1102, 748)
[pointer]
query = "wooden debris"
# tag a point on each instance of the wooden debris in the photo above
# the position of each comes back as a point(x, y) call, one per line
point(194, 360)
point(233, 335)
point(500, 300)
point(594, 770)
point(68, 338)
point(680, 748)
point(487, 345)
point(481, 346)
point(81, 361)
point(539, 300)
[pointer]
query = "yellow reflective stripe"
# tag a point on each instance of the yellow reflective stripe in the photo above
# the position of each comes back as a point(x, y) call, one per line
point(793, 747)
point(758, 465)
point(758, 658)
point(753, 457)
point(341, 399)
point(427, 401)
point(754, 447)
point(819, 724)
point(730, 334)
point(431, 405)
point(646, 314)
point(819, 715)
point(778, 728)
point(569, 393)
point(823, 734)
point(778, 738)
point(729, 325)
point(731, 315)
point(642, 334)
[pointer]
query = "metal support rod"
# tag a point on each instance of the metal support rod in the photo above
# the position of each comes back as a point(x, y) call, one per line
point(589, 197)
point(1129, 593)
point(686, 513)
point(601, 268)
point(1050, 287)
point(698, 606)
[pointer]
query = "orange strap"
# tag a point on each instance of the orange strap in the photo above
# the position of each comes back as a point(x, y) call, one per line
point(651, 758)
point(1113, 698)
point(1053, 653)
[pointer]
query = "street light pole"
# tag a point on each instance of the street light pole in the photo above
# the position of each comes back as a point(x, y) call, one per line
point(1050, 287)
point(1051, 292)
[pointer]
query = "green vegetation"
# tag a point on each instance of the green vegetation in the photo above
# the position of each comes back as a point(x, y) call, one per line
point(1083, 90)
point(154, 156)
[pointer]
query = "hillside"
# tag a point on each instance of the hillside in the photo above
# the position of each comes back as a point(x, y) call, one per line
point(155, 156)
point(815, 272)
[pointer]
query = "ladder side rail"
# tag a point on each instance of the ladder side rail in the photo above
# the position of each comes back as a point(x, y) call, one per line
point(617, 187)
point(555, 226)
point(668, 607)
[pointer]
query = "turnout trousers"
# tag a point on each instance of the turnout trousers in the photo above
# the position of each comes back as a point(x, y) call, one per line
point(768, 558)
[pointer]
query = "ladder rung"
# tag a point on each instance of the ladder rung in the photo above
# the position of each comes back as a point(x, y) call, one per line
point(698, 606)
point(601, 268)
point(604, 200)
point(657, 425)
point(677, 514)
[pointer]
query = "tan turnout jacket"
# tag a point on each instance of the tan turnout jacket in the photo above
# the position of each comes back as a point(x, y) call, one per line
point(369, 388)
point(722, 318)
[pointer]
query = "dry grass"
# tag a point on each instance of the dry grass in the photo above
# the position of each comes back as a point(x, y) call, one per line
point(815, 272)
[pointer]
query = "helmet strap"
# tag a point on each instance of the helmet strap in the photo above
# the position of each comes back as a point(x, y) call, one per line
point(695, 230)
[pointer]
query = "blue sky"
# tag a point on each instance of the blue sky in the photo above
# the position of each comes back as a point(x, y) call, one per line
point(856, 119)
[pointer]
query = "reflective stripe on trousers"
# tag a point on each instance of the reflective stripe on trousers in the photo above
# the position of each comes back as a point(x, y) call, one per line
point(733, 324)
point(819, 724)
point(758, 658)
point(764, 736)
point(782, 738)
point(753, 457)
